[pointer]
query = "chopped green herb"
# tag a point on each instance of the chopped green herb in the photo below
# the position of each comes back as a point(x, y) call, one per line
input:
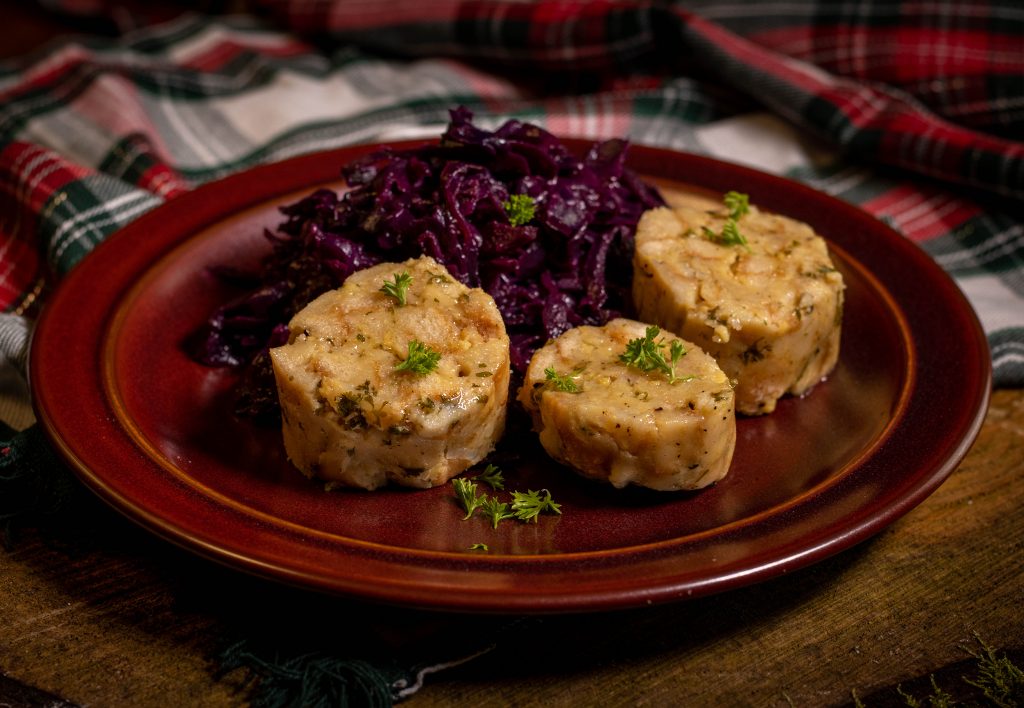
point(398, 289)
point(496, 510)
point(527, 506)
point(465, 491)
point(563, 382)
point(349, 406)
point(520, 209)
point(647, 354)
point(492, 476)
point(644, 353)
point(738, 204)
point(420, 359)
point(755, 352)
point(350, 413)
point(677, 351)
point(731, 235)
point(479, 547)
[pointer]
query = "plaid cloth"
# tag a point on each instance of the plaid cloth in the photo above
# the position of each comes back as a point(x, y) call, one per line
point(905, 109)
point(912, 110)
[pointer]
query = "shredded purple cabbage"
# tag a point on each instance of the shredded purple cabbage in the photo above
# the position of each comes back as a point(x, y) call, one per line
point(569, 266)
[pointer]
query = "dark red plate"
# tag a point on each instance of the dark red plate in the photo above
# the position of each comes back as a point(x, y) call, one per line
point(151, 431)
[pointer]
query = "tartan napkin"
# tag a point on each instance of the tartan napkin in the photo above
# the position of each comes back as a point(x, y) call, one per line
point(913, 112)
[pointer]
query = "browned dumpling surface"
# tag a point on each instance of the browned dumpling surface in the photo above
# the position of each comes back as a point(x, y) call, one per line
point(351, 417)
point(613, 422)
point(769, 311)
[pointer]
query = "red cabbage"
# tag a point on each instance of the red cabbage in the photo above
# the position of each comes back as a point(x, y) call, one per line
point(570, 265)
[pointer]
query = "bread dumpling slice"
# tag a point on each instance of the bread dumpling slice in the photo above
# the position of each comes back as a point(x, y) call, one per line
point(407, 387)
point(614, 422)
point(767, 305)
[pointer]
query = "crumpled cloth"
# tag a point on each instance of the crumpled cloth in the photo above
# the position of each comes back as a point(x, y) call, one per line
point(913, 111)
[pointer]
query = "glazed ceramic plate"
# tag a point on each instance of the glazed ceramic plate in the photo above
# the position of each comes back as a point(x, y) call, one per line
point(152, 432)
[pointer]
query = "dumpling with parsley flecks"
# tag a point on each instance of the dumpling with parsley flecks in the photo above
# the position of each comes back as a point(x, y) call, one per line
point(401, 375)
point(627, 404)
point(757, 291)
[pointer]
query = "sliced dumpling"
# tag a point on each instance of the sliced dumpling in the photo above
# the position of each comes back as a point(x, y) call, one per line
point(614, 422)
point(409, 387)
point(767, 305)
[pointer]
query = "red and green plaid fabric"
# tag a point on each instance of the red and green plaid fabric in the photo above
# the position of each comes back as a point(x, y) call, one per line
point(912, 110)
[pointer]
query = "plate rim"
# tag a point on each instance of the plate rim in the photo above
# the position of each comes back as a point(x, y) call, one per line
point(275, 180)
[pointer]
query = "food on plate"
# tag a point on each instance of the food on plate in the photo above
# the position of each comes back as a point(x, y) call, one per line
point(545, 230)
point(524, 506)
point(757, 291)
point(381, 372)
point(401, 375)
point(628, 404)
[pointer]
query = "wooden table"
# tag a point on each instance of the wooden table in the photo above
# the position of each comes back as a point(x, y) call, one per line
point(98, 612)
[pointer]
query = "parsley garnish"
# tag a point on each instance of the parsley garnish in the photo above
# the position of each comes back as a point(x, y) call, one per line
point(527, 506)
point(399, 288)
point(738, 205)
point(731, 235)
point(562, 382)
point(421, 359)
point(520, 209)
point(493, 477)
point(465, 490)
point(496, 510)
point(647, 354)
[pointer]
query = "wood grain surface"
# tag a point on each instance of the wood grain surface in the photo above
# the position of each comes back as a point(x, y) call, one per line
point(95, 611)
